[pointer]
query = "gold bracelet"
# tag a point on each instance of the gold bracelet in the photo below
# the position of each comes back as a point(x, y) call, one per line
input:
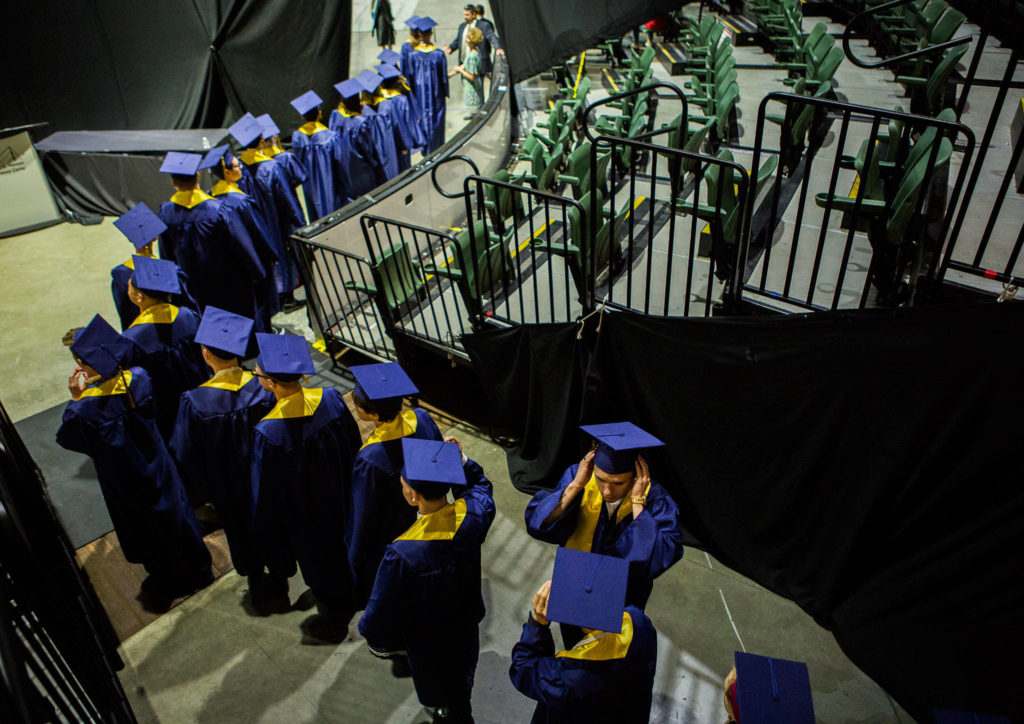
point(638, 500)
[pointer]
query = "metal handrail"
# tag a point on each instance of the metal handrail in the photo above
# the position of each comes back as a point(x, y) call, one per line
point(885, 62)
point(442, 162)
point(636, 91)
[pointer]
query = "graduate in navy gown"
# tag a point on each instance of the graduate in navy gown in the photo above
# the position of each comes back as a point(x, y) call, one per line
point(294, 171)
point(608, 504)
point(111, 419)
point(383, 130)
point(394, 104)
point(777, 691)
point(227, 172)
point(301, 469)
point(208, 241)
point(265, 180)
point(428, 78)
point(426, 601)
point(318, 149)
point(163, 338)
point(606, 677)
point(378, 513)
point(141, 227)
point(361, 163)
point(212, 441)
point(406, 50)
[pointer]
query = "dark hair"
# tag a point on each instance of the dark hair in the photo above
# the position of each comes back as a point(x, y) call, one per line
point(353, 103)
point(152, 294)
point(184, 178)
point(312, 114)
point(431, 491)
point(218, 169)
point(386, 409)
point(69, 337)
point(222, 355)
point(254, 142)
point(480, 10)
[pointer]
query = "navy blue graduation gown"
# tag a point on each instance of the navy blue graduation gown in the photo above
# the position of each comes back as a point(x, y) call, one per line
point(294, 172)
point(211, 244)
point(361, 166)
point(212, 445)
point(163, 343)
point(606, 677)
point(408, 136)
point(126, 310)
point(426, 600)
point(403, 64)
point(429, 83)
point(265, 298)
point(301, 469)
point(317, 148)
point(384, 140)
point(651, 543)
point(264, 179)
point(152, 516)
point(378, 512)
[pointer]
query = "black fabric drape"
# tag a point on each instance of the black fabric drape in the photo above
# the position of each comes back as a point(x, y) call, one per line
point(534, 379)
point(119, 64)
point(865, 465)
point(537, 34)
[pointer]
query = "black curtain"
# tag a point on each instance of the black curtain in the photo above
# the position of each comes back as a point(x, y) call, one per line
point(865, 465)
point(119, 64)
point(539, 33)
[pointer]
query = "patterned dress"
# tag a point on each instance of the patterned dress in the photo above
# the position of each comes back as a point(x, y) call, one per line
point(473, 90)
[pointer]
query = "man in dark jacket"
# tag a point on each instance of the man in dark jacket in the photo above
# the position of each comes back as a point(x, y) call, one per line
point(484, 49)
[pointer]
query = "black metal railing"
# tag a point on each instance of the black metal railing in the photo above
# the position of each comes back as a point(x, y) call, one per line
point(900, 198)
point(665, 242)
point(422, 287)
point(938, 49)
point(520, 244)
point(341, 287)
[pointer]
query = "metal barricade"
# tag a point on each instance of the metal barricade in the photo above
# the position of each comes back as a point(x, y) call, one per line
point(518, 248)
point(665, 242)
point(341, 287)
point(422, 288)
point(892, 198)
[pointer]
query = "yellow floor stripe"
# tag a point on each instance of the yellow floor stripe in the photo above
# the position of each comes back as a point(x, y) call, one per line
point(667, 54)
point(855, 188)
point(611, 80)
point(529, 241)
point(730, 25)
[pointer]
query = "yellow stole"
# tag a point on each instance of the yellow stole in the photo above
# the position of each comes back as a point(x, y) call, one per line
point(116, 385)
point(402, 426)
point(440, 525)
point(590, 511)
point(225, 187)
point(231, 380)
point(345, 112)
point(603, 645)
point(301, 404)
point(425, 48)
point(312, 127)
point(253, 155)
point(188, 199)
point(157, 314)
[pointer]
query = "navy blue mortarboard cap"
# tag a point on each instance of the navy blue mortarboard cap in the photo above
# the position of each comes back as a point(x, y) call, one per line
point(369, 81)
point(386, 71)
point(246, 129)
point(411, 22)
point(155, 275)
point(224, 331)
point(588, 590)
point(185, 164)
point(773, 691)
point(306, 102)
point(431, 464)
point(425, 23)
point(620, 442)
point(382, 381)
point(948, 716)
point(267, 124)
point(140, 225)
point(390, 57)
point(348, 88)
point(101, 347)
point(213, 156)
point(284, 357)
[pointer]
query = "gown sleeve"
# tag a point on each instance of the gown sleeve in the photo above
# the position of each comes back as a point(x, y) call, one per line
point(653, 541)
point(543, 503)
point(271, 506)
point(537, 673)
point(383, 624)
